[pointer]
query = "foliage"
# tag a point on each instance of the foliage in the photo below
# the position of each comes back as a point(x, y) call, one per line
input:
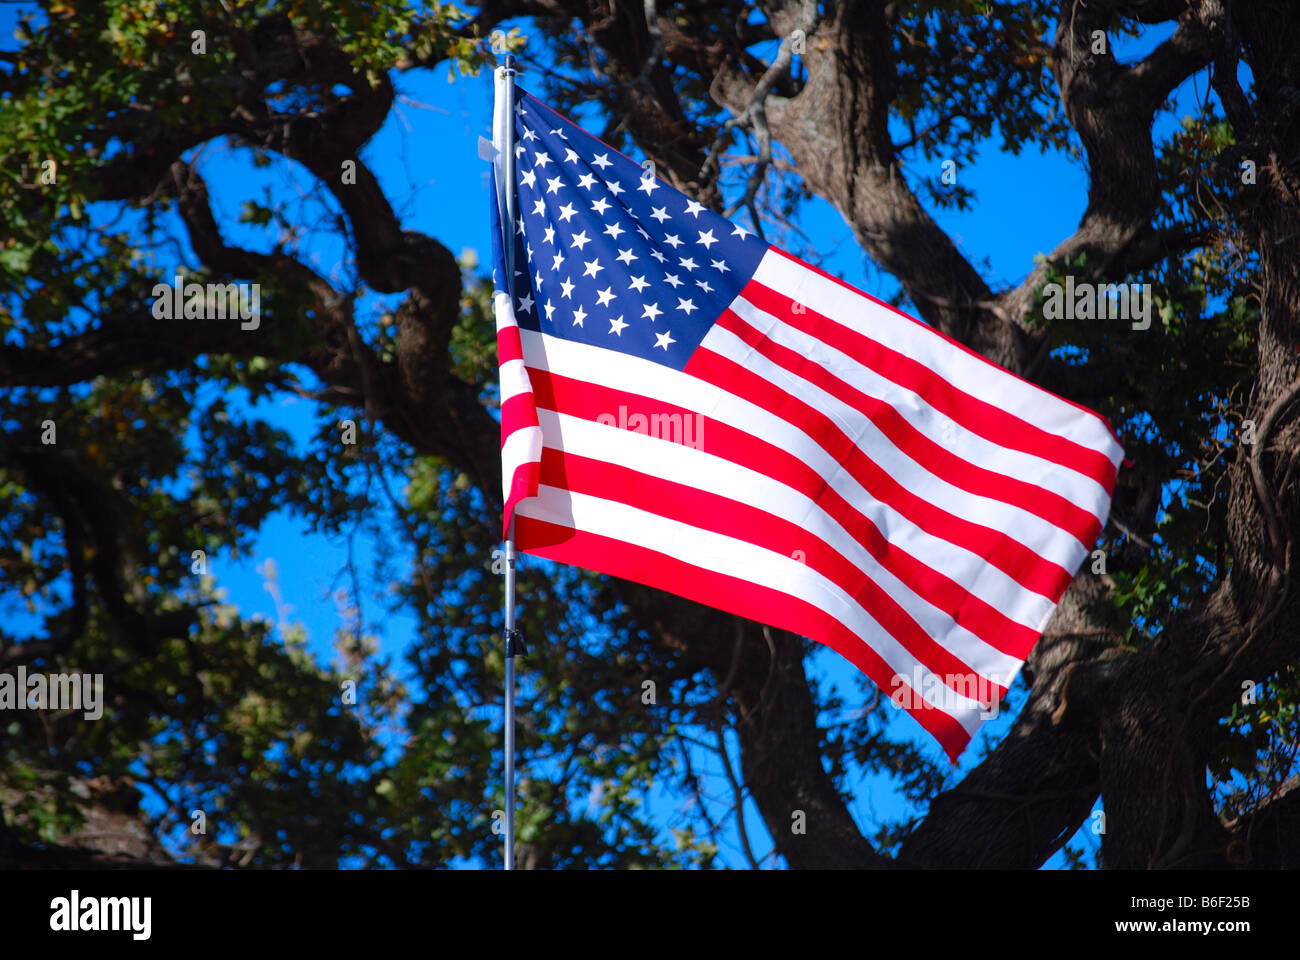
point(233, 715)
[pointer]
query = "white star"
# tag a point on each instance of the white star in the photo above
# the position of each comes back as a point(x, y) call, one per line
point(704, 285)
point(641, 230)
point(673, 240)
point(614, 230)
point(739, 231)
point(556, 261)
point(614, 187)
point(693, 208)
point(707, 238)
point(537, 280)
point(660, 214)
point(616, 325)
point(566, 212)
point(520, 224)
point(528, 251)
point(529, 135)
point(627, 256)
point(686, 305)
point(559, 133)
point(688, 263)
point(526, 304)
point(600, 206)
point(601, 160)
point(648, 184)
point(542, 159)
point(664, 340)
point(673, 279)
point(566, 288)
point(638, 284)
point(519, 150)
point(578, 316)
point(530, 179)
point(604, 296)
point(719, 265)
point(586, 181)
point(554, 184)
point(539, 205)
point(519, 108)
point(658, 255)
point(581, 239)
point(550, 309)
point(651, 310)
point(569, 155)
point(550, 235)
point(593, 267)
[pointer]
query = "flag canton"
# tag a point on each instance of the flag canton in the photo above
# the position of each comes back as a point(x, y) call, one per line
point(608, 254)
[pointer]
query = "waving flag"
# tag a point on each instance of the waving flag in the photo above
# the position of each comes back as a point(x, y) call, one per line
point(689, 407)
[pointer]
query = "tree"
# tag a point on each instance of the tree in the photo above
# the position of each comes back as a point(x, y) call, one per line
point(1134, 693)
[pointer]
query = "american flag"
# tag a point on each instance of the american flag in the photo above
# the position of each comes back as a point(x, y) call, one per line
point(686, 406)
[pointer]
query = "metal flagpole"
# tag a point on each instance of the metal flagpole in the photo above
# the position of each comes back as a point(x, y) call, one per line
point(511, 651)
point(511, 634)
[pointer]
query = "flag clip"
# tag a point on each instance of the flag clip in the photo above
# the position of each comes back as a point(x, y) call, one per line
point(515, 644)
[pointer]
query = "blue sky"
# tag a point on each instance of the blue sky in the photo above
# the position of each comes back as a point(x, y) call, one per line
point(426, 158)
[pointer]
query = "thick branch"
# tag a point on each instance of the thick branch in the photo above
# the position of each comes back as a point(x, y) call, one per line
point(1112, 107)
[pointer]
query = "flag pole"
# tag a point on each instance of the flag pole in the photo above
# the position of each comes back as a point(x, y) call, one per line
point(511, 651)
point(508, 228)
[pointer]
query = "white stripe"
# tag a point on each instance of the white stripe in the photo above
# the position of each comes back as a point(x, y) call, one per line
point(1031, 531)
point(514, 380)
point(977, 377)
point(677, 463)
point(504, 310)
point(503, 120)
point(522, 447)
point(1076, 487)
point(736, 558)
point(622, 371)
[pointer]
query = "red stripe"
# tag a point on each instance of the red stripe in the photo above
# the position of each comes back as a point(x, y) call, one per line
point(939, 333)
point(709, 511)
point(1010, 556)
point(978, 416)
point(581, 399)
point(518, 412)
point(522, 485)
point(1049, 506)
point(721, 591)
point(510, 345)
